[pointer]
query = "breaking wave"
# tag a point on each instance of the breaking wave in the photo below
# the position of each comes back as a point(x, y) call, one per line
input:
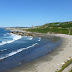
point(13, 36)
point(17, 51)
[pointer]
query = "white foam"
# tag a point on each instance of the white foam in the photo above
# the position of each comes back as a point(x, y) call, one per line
point(39, 39)
point(3, 50)
point(30, 37)
point(4, 34)
point(15, 37)
point(25, 36)
point(15, 52)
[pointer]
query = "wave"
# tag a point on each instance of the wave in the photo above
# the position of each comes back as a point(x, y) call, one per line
point(4, 34)
point(39, 39)
point(14, 37)
point(17, 51)
point(3, 50)
point(29, 37)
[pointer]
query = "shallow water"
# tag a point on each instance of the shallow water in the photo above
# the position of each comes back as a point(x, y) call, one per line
point(16, 50)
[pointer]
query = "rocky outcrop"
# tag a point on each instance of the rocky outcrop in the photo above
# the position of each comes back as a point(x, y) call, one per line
point(27, 33)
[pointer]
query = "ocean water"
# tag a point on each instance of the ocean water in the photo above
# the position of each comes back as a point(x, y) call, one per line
point(16, 50)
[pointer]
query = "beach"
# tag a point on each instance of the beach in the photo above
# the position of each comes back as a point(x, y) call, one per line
point(49, 63)
point(17, 50)
point(36, 36)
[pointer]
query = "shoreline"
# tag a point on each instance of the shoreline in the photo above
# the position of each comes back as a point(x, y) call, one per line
point(26, 33)
point(48, 63)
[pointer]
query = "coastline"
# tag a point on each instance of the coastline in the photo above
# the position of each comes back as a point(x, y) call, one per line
point(49, 62)
point(25, 33)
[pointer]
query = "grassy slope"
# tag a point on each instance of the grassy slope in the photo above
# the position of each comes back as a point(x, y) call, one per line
point(71, 31)
point(65, 65)
point(71, 71)
point(50, 30)
point(62, 25)
point(61, 28)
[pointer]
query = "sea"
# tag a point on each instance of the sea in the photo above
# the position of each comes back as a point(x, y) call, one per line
point(16, 50)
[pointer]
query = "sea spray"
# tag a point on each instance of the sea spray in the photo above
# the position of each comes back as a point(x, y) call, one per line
point(10, 35)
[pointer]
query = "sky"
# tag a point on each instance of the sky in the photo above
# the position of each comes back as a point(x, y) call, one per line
point(25, 13)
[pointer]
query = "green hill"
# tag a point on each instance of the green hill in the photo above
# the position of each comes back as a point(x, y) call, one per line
point(58, 27)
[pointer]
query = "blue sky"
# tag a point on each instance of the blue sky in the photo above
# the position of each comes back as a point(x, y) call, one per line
point(34, 12)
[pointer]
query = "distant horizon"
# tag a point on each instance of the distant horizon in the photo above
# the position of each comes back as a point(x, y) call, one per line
point(25, 13)
point(34, 26)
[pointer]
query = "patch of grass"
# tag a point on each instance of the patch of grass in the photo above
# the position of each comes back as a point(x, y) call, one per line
point(70, 31)
point(71, 70)
point(58, 24)
point(65, 65)
point(50, 30)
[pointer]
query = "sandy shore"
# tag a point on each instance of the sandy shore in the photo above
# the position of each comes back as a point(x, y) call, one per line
point(49, 62)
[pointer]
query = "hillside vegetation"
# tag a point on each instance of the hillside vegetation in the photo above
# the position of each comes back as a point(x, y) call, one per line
point(58, 27)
